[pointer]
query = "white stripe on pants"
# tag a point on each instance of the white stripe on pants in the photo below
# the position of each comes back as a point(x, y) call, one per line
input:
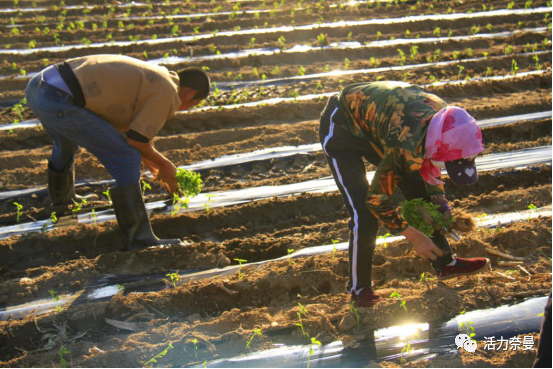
point(355, 216)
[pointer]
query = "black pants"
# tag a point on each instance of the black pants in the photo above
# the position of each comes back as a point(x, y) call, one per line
point(543, 359)
point(344, 153)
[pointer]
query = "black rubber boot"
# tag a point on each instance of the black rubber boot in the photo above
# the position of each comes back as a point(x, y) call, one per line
point(61, 186)
point(133, 218)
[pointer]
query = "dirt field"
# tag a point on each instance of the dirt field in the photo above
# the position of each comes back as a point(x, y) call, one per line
point(222, 313)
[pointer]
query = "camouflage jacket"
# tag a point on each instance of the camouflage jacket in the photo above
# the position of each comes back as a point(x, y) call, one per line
point(394, 118)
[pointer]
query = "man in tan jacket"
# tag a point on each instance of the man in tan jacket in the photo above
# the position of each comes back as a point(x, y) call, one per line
point(113, 106)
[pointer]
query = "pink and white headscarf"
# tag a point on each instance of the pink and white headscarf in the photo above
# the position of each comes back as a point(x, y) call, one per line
point(452, 134)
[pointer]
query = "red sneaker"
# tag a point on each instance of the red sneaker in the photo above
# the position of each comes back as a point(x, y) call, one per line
point(365, 298)
point(465, 267)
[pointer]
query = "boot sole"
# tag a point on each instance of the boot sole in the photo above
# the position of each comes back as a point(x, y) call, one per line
point(478, 271)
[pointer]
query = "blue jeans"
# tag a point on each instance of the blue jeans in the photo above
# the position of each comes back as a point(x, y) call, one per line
point(71, 126)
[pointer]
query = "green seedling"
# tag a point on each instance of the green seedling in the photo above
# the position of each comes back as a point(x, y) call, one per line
point(334, 242)
point(461, 69)
point(401, 58)
point(322, 40)
point(52, 220)
point(174, 278)
point(159, 356)
point(190, 185)
point(314, 341)
point(257, 332)
point(514, 67)
point(423, 278)
point(290, 262)
point(488, 71)
point(56, 298)
point(63, 351)
point(532, 208)
point(347, 63)
point(195, 342)
point(481, 218)
point(145, 186)
point(282, 42)
point(204, 364)
point(301, 310)
point(301, 71)
point(384, 237)
point(93, 216)
point(411, 213)
point(78, 206)
point(209, 201)
point(456, 55)
point(397, 296)
point(19, 208)
point(413, 52)
point(468, 327)
point(240, 274)
point(353, 309)
point(106, 192)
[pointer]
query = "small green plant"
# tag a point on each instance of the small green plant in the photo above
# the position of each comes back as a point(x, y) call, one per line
point(413, 52)
point(282, 42)
point(511, 5)
point(93, 216)
point(514, 67)
point(175, 278)
point(401, 57)
point(346, 64)
point(78, 206)
point(290, 261)
point(314, 341)
point(532, 208)
point(208, 202)
point(240, 274)
point(508, 49)
point(334, 242)
point(456, 55)
point(481, 218)
point(301, 71)
point(145, 186)
point(397, 296)
point(353, 309)
point(19, 208)
point(190, 185)
point(301, 311)
point(256, 332)
point(461, 69)
point(56, 298)
point(384, 237)
point(488, 71)
point(437, 32)
point(159, 356)
point(52, 220)
point(322, 40)
point(468, 327)
point(106, 192)
point(63, 351)
point(411, 211)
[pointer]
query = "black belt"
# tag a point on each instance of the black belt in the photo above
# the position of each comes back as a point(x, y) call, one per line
point(56, 91)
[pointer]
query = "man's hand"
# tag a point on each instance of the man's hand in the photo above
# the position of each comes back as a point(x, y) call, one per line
point(167, 177)
point(159, 165)
point(421, 243)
